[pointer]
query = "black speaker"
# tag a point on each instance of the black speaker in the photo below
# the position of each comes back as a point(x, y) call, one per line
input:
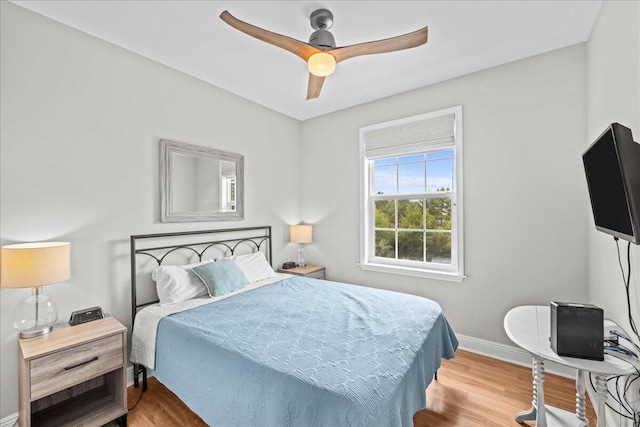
point(577, 330)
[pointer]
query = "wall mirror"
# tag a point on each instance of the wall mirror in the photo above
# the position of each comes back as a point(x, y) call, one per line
point(200, 184)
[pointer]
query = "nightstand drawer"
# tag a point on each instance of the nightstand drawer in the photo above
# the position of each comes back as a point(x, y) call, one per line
point(65, 368)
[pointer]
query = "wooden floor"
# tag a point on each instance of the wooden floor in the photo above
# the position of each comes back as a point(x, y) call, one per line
point(471, 390)
point(474, 390)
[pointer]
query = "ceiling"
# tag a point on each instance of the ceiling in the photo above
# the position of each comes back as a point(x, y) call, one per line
point(464, 37)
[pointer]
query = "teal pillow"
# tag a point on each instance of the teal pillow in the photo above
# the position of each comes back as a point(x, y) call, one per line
point(221, 277)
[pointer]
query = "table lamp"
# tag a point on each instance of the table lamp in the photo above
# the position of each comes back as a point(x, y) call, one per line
point(301, 234)
point(33, 265)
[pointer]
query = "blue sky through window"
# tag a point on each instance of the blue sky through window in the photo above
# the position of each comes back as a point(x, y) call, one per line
point(409, 173)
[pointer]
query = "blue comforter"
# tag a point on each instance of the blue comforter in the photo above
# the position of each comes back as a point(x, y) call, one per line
point(305, 352)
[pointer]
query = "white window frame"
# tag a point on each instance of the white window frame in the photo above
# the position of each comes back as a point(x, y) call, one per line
point(450, 272)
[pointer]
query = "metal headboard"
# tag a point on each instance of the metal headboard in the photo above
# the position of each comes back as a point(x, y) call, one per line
point(254, 236)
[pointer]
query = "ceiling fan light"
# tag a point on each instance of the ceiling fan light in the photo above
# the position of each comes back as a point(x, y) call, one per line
point(321, 64)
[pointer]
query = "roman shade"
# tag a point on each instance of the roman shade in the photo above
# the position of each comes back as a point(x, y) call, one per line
point(410, 137)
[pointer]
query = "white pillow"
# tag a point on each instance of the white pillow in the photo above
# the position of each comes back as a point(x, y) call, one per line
point(176, 283)
point(254, 266)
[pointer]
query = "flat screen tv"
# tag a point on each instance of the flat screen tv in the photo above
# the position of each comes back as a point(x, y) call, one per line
point(612, 168)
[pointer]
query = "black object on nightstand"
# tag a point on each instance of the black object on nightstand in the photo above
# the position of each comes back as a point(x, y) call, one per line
point(86, 315)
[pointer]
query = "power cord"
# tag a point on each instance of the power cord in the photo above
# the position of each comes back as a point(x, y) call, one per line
point(621, 400)
point(137, 401)
point(627, 283)
point(627, 386)
point(615, 347)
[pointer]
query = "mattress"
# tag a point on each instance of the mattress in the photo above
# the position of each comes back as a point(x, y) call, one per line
point(305, 352)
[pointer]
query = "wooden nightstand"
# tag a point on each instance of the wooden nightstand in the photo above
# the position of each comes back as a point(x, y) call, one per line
point(315, 271)
point(75, 375)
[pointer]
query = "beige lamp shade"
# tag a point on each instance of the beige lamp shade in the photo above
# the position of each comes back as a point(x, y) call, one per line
point(29, 265)
point(301, 233)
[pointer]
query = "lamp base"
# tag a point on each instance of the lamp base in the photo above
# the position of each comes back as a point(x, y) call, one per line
point(35, 315)
point(301, 261)
point(32, 333)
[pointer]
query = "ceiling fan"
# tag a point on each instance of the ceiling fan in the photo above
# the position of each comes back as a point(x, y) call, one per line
point(321, 53)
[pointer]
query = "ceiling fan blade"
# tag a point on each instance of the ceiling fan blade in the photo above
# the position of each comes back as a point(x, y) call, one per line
point(301, 49)
point(392, 44)
point(315, 86)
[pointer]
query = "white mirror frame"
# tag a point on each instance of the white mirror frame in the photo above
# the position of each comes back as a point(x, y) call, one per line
point(167, 148)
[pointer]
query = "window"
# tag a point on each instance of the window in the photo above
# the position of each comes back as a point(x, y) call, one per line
point(228, 194)
point(227, 186)
point(411, 198)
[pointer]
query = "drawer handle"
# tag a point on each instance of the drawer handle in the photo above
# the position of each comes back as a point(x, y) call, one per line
point(81, 363)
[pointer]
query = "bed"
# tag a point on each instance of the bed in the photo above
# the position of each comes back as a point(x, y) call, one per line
point(286, 350)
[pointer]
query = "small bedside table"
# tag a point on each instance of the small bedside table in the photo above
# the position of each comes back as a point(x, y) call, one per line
point(75, 375)
point(314, 271)
point(529, 327)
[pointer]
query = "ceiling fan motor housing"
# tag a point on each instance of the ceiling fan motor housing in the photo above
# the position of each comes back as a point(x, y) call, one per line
point(321, 21)
point(322, 39)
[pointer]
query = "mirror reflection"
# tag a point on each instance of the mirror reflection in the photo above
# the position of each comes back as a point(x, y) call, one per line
point(200, 184)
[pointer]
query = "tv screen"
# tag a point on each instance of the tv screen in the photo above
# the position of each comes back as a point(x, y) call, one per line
point(612, 168)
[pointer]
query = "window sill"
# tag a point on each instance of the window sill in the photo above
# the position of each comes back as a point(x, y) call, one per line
point(416, 272)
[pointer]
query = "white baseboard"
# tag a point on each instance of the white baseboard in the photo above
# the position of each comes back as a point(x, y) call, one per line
point(9, 421)
point(510, 354)
point(129, 377)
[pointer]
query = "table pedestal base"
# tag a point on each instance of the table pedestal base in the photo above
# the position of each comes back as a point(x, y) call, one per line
point(546, 416)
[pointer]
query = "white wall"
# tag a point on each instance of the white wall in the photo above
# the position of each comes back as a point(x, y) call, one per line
point(525, 194)
point(81, 121)
point(613, 87)
point(613, 95)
